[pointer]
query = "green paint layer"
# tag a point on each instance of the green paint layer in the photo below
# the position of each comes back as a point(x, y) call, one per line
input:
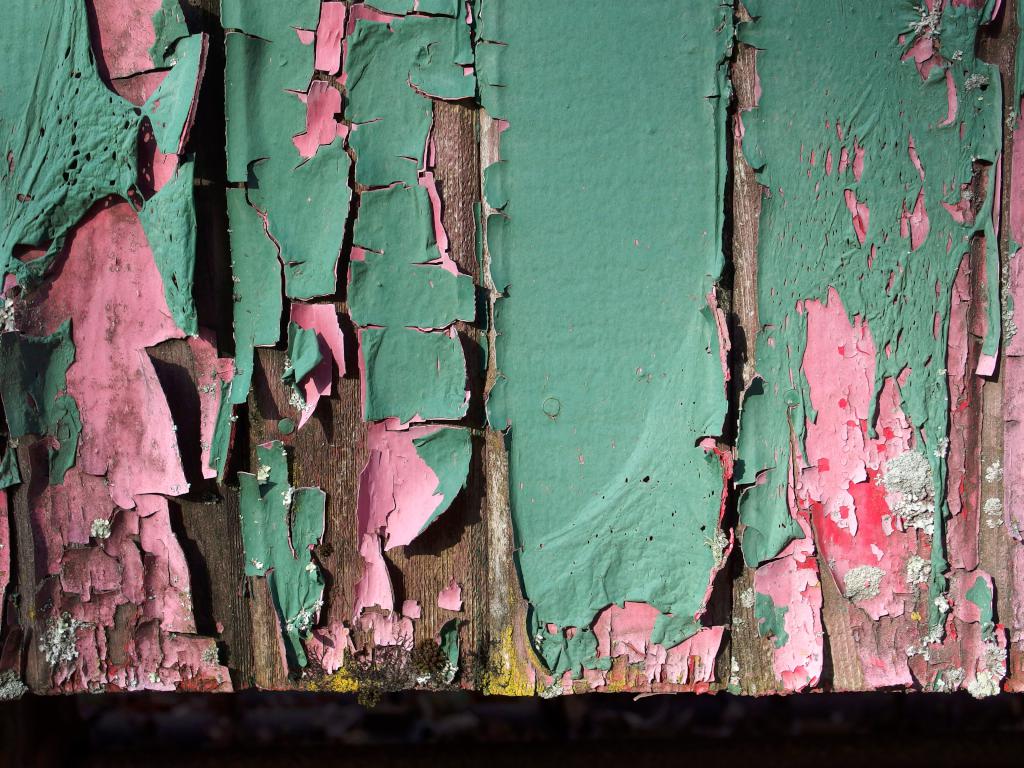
point(10, 474)
point(449, 643)
point(771, 619)
point(257, 299)
point(67, 139)
point(409, 373)
point(858, 88)
point(395, 284)
point(303, 356)
point(609, 244)
point(33, 384)
point(447, 452)
point(169, 220)
point(980, 594)
point(280, 525)
point(305, 200)
point(390, 67)
point(168, 27)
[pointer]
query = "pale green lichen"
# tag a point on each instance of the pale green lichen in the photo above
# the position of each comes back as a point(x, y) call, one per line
point(57, 643)
point(11, 686)
point(863, 582)
point(6, 314)
point(928, 21)
point(100, 529)
point(993, 509)
point(988, 678)
point(211, 655)
point(909, 481)
point(919, 570)
point(976, 81)
point(552, 692)
point(747, 597)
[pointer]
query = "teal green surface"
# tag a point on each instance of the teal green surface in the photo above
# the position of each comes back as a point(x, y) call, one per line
point(69, 140)
point(981, 595)
point(608, 244)
point(395, 285)
point(303, 356)
point(390, 67)
point(771, 619)
point(33, 385)
point(410, 373)
point(257, 299)
point(169, 220)
point(305, 200)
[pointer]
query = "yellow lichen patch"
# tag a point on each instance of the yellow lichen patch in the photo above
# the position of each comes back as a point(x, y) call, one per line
point(505, 675)
point(341, 681)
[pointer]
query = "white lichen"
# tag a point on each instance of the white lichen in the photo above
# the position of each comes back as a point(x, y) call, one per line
point(57, 643)
point(987, 680)
point(100, 529)
point(552, 692)
point(993, 509)
point(949, 680)
point(919, 570)
point(994, 472)
point(7, 314)
point(305, 618)
point(910, 485)
point(863, 582)
point(928, 21)
point(942, 603)
point(211, 655)
point(11, 686)
point(975, 81)
point(718, 544)
point(262, 473)
point(747, 597)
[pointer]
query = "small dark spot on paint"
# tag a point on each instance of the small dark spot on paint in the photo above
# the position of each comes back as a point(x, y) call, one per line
point(647, 479)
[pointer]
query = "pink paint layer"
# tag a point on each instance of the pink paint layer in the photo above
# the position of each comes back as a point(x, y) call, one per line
point(124, 33)
point(396, 487)
point(450, 598)
point(329, 32)
point(323, 106)
point(107, 283)
point(323, 319)
point(210, 371)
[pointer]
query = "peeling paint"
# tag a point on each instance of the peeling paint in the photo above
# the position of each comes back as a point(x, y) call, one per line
point(280, 526)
